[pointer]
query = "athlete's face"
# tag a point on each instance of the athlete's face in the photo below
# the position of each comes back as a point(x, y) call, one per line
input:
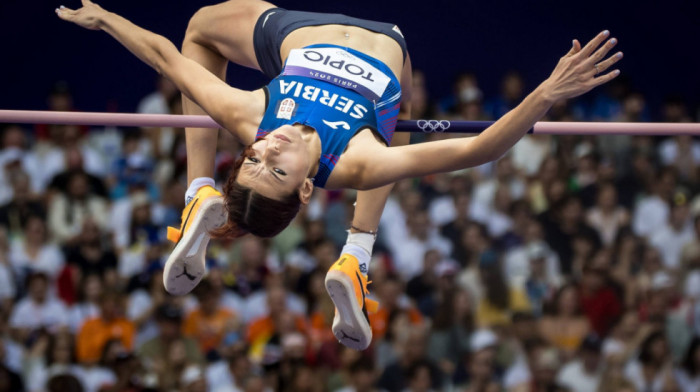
point(279, 164)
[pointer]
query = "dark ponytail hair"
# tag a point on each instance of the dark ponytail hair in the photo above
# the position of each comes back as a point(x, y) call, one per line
point(251, 212)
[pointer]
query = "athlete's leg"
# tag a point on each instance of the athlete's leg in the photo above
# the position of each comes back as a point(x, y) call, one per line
point(346, 281)
point(370, 204)
point(215, 35)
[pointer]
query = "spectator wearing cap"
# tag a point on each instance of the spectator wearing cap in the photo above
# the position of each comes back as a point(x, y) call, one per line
point(517, 259)
point(648, 372)
point(671, 237)
point(564, 325)
point(38, 310)
point(584, 372)
point(533, 266)
point(110, 325)
point(169, 320)
point(663, 311)
point(541, 284)
point(479, 372)
point(544, 361)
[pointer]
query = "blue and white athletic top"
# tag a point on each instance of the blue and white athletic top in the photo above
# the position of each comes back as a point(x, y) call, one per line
point(337, 91)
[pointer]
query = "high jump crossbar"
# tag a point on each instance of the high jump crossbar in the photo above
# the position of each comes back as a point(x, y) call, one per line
point(426, 126)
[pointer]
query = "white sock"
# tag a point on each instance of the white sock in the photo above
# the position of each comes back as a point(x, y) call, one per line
point(360, 245)
point(195, 185)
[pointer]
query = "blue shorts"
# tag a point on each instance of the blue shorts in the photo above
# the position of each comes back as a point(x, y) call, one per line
point(275, 24)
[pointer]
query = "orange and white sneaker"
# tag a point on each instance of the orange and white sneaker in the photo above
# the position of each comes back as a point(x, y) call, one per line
point(185, 267)
point(347, 287)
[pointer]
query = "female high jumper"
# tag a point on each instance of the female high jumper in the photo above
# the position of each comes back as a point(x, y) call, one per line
point(326, 119)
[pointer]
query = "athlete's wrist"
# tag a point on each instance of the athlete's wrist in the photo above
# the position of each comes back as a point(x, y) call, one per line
point(545, 92)
point(104, 18)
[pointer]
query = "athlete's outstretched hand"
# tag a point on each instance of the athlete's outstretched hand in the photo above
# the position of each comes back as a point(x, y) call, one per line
point(582, 69)
point(89, 16)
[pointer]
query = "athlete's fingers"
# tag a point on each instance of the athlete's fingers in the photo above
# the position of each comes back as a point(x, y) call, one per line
point(64, 13)
point(605, 78)
point(594, 43)
point(607, 63)
point(575, 48)
point(602, 51)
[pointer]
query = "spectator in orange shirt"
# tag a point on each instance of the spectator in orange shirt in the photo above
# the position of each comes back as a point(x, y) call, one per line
point(209, 322)
point(111, 324)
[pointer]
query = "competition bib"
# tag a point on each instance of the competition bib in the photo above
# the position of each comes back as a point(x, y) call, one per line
point(337, 66)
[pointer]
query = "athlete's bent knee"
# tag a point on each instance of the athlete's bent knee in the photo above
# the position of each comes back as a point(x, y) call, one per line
point(198, 22)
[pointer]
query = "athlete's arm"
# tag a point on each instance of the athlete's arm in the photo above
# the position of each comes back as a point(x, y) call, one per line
point(574, 75)
point(225, 104)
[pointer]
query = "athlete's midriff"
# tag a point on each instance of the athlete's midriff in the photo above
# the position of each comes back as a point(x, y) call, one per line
point(379, 46)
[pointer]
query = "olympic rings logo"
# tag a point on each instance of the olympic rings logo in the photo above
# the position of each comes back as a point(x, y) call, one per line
point(429, 126)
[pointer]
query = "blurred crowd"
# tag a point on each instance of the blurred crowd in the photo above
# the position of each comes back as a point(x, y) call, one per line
point(570, 264)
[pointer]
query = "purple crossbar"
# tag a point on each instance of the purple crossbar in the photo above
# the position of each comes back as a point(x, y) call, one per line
point(427, 126)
